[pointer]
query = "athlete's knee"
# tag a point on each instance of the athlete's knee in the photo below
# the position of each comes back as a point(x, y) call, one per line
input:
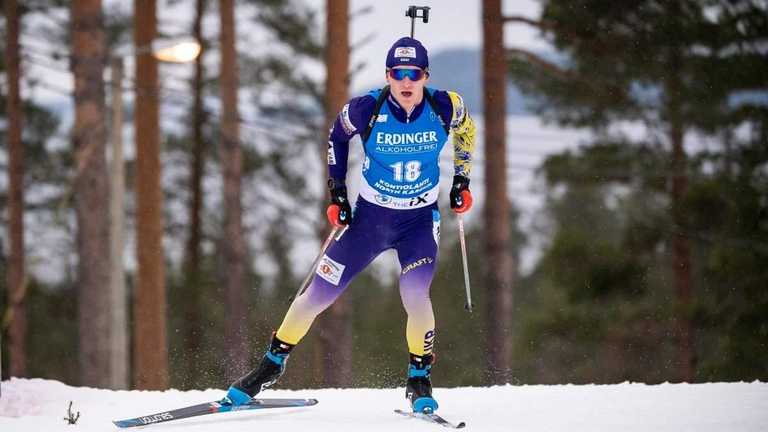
point(414, 293)
point(417, 304)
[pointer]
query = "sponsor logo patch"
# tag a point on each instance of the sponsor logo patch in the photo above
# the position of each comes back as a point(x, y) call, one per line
point(382, 118)
point(156, 418)
point(418, 200)
point(429, 342)
point(409, 52)
point(331, 154)
point(426, 137)
point(346, 122)
point(330, 270)
point(416, 264)
point(436, 226)
point(458, 109)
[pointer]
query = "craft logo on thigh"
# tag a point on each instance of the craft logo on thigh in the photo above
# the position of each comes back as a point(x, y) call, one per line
point(330, 270)
point(415, 264)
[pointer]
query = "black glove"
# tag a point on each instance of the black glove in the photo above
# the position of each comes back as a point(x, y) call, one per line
point(339, 212)
point(461, 197)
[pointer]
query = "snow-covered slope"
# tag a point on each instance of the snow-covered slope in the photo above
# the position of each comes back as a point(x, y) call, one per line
point(41, 405)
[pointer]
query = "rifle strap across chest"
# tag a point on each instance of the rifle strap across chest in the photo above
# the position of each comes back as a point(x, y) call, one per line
point(380, 101)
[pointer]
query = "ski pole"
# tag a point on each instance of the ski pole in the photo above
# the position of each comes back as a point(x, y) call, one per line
point(327, 243)
point(463, 243)
point(413, 12)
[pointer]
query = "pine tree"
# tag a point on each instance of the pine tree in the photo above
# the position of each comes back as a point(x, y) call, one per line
point(149, 309)
point(16, 275)
point(37, 168)
point(192, 300)
point(672, 67)
point(336, 326)
point(233, 243)
point(281, 162)
point(91, 190)
point(500, 268)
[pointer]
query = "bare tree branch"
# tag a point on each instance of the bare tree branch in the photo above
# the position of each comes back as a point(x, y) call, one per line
point(525, 20)
point(554, 27)
point(560, 72)
point(538, 61)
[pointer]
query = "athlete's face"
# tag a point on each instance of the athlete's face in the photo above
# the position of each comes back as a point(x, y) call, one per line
point(406, 84)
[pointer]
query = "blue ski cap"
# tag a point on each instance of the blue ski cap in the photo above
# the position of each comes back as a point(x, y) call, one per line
point(407, 51)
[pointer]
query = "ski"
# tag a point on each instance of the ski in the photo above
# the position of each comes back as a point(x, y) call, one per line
point(212, 408)
point(432, 418)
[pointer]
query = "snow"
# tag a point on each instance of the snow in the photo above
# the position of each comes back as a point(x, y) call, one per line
point(41, 405)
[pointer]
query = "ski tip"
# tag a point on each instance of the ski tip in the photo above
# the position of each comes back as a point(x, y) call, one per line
point(312, 402)
point(123, 423)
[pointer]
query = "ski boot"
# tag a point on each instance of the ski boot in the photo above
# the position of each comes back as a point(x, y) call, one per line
point(418, 389)
point(269, 370)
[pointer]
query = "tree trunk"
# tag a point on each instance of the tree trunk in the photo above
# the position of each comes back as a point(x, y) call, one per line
point(192, 333)
point(233, 243)
point(17, 332)
point(91, 191)
point(681, 260)
point(681, 251)
point(500, 263)
point(335, 327)
point(150, 345)
point(119, 376)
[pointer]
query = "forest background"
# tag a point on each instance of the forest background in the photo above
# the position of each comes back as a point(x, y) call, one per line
point(650, 235)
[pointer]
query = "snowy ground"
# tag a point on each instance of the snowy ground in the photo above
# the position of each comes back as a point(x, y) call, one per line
point(41, 405)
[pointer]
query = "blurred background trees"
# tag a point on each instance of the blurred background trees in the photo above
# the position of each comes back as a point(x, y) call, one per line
point(654, 230)
point(631, 213)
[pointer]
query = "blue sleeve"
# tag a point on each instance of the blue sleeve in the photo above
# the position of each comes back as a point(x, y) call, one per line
point(444, 105)
point(351, 121)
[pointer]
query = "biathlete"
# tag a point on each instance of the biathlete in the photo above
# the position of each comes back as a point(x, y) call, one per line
point(403, 128)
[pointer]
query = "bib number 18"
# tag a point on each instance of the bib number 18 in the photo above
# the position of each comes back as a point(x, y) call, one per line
point(408, 171)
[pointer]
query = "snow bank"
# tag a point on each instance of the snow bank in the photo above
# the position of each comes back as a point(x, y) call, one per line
point(41, 405)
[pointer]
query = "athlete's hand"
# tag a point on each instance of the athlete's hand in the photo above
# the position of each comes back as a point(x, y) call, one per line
point(339, 212)
point(461, 197)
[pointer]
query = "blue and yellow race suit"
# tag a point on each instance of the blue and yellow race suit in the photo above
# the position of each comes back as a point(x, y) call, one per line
point(397, 206)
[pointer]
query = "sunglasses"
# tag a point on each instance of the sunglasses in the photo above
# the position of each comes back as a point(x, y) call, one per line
point(412, 74)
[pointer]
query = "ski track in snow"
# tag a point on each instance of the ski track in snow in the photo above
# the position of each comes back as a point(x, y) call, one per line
point(41, 405)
